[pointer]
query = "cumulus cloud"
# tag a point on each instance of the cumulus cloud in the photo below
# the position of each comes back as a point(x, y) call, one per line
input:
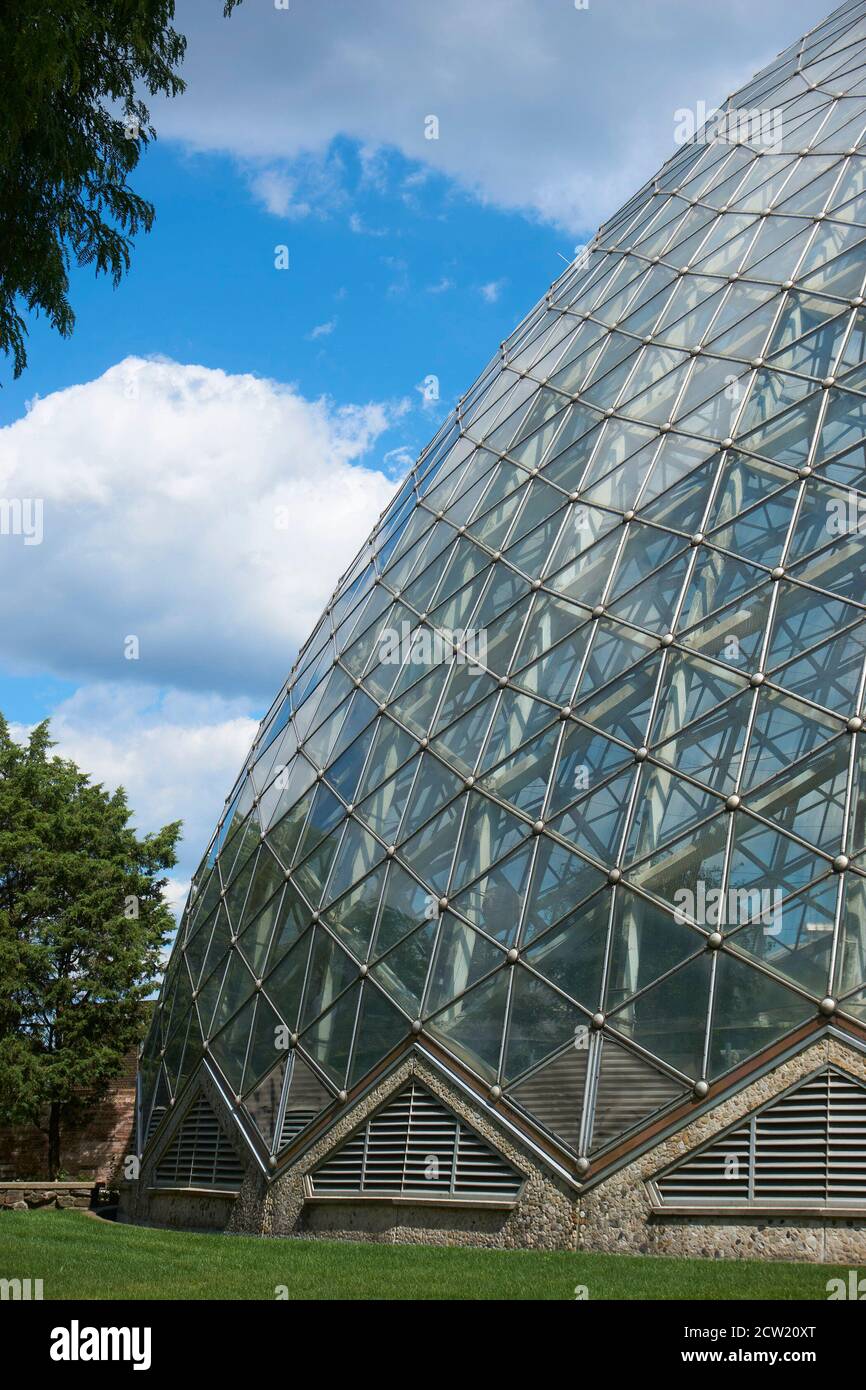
point(193, 523)
point(541, 106)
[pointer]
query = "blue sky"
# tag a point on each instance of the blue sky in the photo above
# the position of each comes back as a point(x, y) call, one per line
point(212, 389)
point(430, 282)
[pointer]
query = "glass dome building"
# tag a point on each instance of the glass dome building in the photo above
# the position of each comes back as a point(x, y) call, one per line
point(537, 914)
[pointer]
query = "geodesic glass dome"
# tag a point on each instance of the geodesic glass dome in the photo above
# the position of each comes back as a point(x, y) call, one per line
point(566, 787)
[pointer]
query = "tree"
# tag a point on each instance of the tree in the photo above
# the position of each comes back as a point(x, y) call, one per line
point(82, 925)
point(72, 127)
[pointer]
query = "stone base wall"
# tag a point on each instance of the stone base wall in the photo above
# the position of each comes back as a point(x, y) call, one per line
point(616, 1216)
point(23, 1196)
point(405, 1223)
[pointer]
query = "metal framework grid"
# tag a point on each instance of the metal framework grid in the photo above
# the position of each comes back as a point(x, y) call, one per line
point(627, 581)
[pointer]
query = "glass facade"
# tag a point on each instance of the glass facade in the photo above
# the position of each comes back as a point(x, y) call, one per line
point(567, 784)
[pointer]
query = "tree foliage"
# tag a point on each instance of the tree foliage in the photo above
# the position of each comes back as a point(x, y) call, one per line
point(73, 122)
point(82, 926)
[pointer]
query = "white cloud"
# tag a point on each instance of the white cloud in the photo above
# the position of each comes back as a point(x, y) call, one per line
point(322, 330)
point(398, 461)
point(204, 514)
point(541, 106)
point(278, 193)
point(491, 291)
point(314, 184)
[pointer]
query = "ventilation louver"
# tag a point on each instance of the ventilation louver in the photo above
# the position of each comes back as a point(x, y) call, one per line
point(808, 1148)
point(199, 1155)
point(153, 1124)
point(414, 1145)
point(306, 1098)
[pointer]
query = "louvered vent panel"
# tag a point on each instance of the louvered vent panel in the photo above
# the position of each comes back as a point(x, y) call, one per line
point(791, 1145)
point(199, 1155)
point(305, 1100)
point(846, 1158)
point(344, 1171)
point(719, 1173)
point(415, 1145)
point(153, 1123)
point(553, 1095)
point(629, 1090)
point(806, 1149)
point(294, 1123)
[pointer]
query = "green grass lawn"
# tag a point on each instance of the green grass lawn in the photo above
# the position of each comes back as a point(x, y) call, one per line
point(78, 1256)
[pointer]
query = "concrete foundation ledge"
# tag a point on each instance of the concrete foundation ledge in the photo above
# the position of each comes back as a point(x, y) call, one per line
point(181, 1208)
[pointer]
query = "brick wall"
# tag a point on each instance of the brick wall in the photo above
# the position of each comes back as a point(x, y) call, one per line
point(93, 1149)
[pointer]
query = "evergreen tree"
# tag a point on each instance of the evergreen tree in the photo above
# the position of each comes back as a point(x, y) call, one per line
point(82, 926)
